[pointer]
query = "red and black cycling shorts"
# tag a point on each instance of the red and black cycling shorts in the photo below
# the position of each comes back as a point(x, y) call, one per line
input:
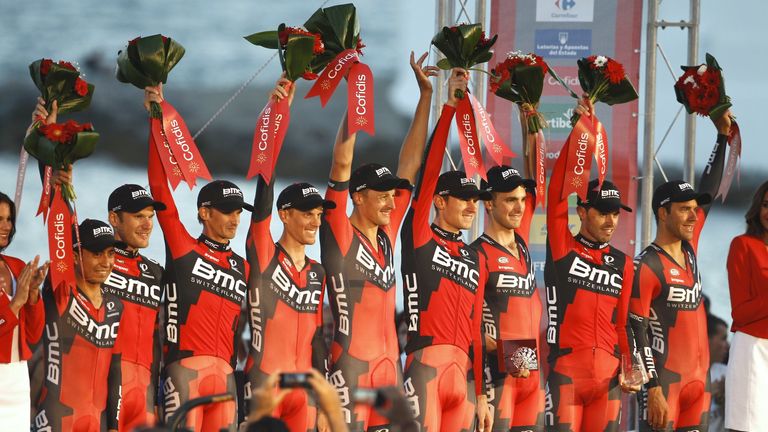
point(439, 388)
point(193, 377)
point(138, 402)
point(688, 399)
point(585, 391)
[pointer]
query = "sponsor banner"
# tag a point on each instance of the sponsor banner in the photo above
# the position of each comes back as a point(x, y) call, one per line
point(563, 44)
point(569, 74)
point(565, 10)
point(558, 118)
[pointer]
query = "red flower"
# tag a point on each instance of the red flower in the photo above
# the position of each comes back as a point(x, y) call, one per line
point(45, 66)
point(711, 78)
point(318, 48)
point(453, 29)
point(614, 71)
point(81, 87)
point(67, 65)
point(360, 46)
point(56, 132)
point(165, 39)
point(132, 42)
point(309, 76)
point(591, 62)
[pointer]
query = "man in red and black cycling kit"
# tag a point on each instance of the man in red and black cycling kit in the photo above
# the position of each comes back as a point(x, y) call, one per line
point(285, 291)
point(512, 310)
point(137, 281)
point(357, 253)
point(666, 312)
point(205, 286)
point(81, 390)
point(442, 293)
point(588, 284)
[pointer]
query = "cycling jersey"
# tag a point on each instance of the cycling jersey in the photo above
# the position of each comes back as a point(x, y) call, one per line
point(669, 322)
point(205, 287)
point(361, 278)
point(441, 291)
point(30, 320)
point(512, 311)
point(137, 282)
point(81, 388)
point(588, 288)
point(285, 310)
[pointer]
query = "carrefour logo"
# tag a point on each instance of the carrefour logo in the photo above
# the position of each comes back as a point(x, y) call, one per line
point(565, 10)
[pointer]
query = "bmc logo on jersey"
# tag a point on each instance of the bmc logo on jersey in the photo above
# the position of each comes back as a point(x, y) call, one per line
point(206, 271)
point(584, 270)
point(367, 262)
point(686, 298)
point(133, 286)
point(454, 266)
point(513, 281)
point(301, 297)
point(97, 333)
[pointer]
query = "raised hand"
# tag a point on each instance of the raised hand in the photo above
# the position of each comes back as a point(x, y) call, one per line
point(284, 88)
point(153, 94)
point(423, 73)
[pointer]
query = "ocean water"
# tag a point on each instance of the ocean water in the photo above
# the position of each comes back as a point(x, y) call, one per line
point(94, 180)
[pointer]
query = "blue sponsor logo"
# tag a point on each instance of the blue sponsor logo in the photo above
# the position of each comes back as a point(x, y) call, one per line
point(565, 4)
point(570, 44)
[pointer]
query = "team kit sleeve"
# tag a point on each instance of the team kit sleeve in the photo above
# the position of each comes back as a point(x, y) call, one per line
point(557, 210)
point(260, 247)
point(479, 360)
point(114, 392)
point(425, 187)
point(710, 183)
point(335, 220)
point(524, 230)
point(173, 230)
point(645, 287)
point(319, 349)
point(746, 307)
point(622, 323)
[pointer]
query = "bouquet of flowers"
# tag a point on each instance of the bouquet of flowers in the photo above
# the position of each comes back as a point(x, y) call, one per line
point(61, 144)
point(62, 82)
point(520, 79)
point(296, 47)
point(701, 89)
point(339, 29)
point(604, 80)
point(464, 46)
point(146, 62)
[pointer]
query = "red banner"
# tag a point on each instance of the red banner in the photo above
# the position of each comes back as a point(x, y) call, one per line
point(580, 148)
point(62, 268)
point(157, 139)
point(732, 166)
point(468, 139)
point(268, 138)
point(331, 76)
point(45, 196)
point(360, 100)
point(541, 169)
point(494, 145)
point(601, 150)
point(182, 146)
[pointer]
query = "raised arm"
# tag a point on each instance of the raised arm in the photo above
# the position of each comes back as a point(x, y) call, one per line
point(412, 150)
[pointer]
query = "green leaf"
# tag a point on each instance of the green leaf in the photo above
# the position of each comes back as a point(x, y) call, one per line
point(711, 62)
point(483, 58)
point(82, 146)
point(76, 102)
point(34, 72)
point(174, 51)
point(587, 78)
point(444, 64)
point(267, 39)
point(298, 55)
point(339, 18)
point(127, 72)
point(619, 93)
point(562, 83)
point(470, 35)
point(151, 56)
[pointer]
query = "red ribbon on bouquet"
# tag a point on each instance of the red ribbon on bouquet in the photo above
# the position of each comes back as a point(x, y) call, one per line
point(541, 169)
point(601, 150)
point(268, 137)
point(360, 89)
point(45, 196)
point(468, 139)
point(580, 148)
point(331, 76)
point(496, 147)
point(60, 242)
point(182, 146)
point(732, 166)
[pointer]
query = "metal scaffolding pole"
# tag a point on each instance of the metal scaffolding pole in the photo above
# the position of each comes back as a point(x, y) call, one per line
point(646, 191)
point(478, 89)
point(689, 170)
